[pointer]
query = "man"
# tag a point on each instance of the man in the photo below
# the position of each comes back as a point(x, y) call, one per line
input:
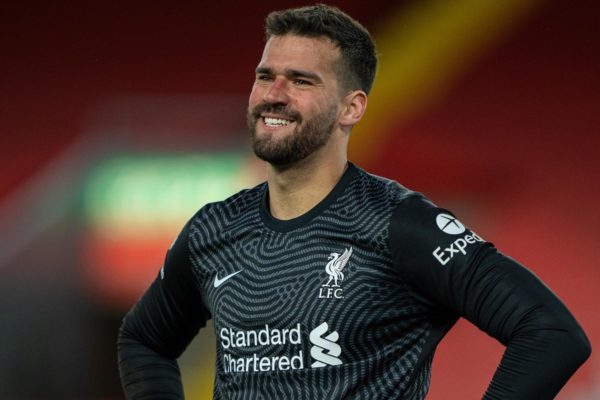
point(326, 282)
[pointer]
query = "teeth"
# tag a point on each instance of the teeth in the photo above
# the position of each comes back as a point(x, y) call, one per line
point(276, 121)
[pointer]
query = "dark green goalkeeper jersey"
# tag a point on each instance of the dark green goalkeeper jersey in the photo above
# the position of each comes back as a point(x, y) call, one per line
point(348, 301)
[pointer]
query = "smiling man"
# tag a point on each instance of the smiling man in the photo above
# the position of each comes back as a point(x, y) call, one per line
point(326, 282)
point(294, 111)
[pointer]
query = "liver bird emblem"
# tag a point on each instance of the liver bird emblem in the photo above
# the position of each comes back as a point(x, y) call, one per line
point(335, 267)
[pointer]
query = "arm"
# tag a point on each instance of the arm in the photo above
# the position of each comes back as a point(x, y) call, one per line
point(545, 345)
point(460, 274)
point(159, 328)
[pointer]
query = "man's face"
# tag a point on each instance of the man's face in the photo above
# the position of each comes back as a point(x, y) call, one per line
point(294, 105)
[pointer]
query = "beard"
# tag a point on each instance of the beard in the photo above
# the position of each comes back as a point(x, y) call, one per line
point(308, 136)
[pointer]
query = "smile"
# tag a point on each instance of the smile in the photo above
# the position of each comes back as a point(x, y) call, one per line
point(271, 121)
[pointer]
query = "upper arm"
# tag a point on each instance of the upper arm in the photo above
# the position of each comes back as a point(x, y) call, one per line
point(451, 268)
point(171, 312)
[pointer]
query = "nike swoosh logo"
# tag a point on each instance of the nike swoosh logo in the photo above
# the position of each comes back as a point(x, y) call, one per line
point(218, 282)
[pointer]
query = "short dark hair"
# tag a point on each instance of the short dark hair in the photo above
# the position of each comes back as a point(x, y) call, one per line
point(358, 57)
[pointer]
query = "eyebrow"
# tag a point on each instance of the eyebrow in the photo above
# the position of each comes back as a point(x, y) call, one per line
point(292, 73)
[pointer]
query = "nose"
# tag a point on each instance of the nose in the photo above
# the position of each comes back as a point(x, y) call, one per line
point(277, 91)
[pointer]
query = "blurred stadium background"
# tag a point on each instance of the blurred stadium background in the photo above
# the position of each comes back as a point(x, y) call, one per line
point(119, 119)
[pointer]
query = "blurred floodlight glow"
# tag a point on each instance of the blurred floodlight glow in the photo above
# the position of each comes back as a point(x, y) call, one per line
point(133, 195)
point(135, 205)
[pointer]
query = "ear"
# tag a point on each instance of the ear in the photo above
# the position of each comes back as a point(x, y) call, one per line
point(354, 106)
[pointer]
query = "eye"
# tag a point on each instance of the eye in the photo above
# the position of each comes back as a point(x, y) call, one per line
point(301, 82)
point(264, 77)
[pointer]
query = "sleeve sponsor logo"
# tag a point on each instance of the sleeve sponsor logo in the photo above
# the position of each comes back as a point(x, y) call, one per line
point(450, 225)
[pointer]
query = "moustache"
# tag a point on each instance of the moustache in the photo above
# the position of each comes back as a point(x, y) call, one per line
point(279, 109)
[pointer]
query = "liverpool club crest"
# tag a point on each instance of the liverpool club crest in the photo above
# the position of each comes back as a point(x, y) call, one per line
point(335, 269)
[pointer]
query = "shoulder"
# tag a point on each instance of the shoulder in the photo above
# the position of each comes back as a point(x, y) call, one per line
point(376, 188)
point(408, 206)
point(419, 228)
point(414, 209)
point(416, 216)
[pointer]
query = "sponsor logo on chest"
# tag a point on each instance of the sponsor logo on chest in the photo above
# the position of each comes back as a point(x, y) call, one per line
point(325, 350)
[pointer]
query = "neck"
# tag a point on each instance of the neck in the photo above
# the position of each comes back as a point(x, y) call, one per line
point(295, 189)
